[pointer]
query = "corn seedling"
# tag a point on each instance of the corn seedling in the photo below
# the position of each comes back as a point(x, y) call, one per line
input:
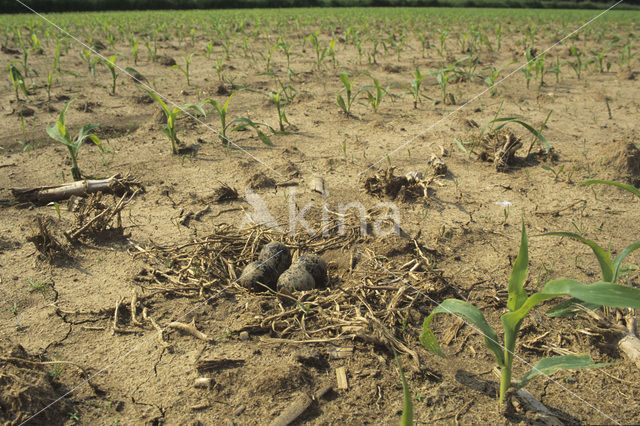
point(90, 60)
point(379, 92)
point(538, 135)
point(172, 115)
point(519, 304)
point(185, 70)
point(242, 123)
point(413, 88)
point(626, 55)
point(152, 50)
point(556, 70)
point(492, 78)
point(267, 59)
point(56, 58)
point(208, 50)
point(134, 43)
point(556, 173)
point(50, 77)
point(17, 80)
point(60, 133)
point(286, 49)
point(346, 102)
point(528, 68)
point(424, 43)
point(577, 65)
point(321, 53)
point(442, 77)
point(599, 56)
point(539, 68)
point(282, 116)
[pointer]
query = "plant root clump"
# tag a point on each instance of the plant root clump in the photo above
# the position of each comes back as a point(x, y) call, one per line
point(98, 219)
point(499, 148)
point(223, 193)
point(401, 188)
point(45, 241)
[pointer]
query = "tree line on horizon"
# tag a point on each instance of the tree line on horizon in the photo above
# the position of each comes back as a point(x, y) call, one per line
point(11, 6)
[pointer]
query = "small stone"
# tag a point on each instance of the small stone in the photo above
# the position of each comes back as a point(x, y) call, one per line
point(244, 336)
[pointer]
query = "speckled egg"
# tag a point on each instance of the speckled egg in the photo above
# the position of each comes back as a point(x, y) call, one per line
point(296, 278)
point(315, 265)
point(277, 255)
point(258, 274)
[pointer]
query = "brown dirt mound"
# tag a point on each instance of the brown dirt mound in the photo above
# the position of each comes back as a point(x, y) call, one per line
point(26, 388)
point(619, 161)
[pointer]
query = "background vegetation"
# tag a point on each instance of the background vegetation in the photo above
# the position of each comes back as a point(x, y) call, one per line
point(11, 6)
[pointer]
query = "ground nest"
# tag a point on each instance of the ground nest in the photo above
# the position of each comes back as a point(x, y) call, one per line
point(370, 294)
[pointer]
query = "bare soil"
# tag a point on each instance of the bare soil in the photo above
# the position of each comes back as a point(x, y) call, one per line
point(263, 350)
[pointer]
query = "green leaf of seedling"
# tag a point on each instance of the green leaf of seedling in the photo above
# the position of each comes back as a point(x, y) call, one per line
point(165, 108)
point(96, 141)
point(517, 294)
point(197, 108)
point(341, 103)
point(551, 365)
point(344, 77)
point(570, 308)
point(226, 104)
point(601, 293)
point(461, 146)
point(624, 186)
point(407, 404)
point(54, 133)
point(137, 76)
point(469, 313)
point(606, 265)
point(264, 138)
point(617, 262)
point(83, 133)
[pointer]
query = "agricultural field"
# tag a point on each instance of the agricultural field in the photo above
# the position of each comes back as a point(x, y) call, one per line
point(425, 154)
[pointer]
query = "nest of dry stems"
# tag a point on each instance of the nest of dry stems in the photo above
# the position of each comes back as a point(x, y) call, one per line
point(371, 300)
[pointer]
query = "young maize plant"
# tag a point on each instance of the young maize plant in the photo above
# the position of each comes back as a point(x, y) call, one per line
point(492, 78)
point(243, 122)
point(90, 60)
point(185, 70)
point(413, 88)
point(321, 53)
point(172, 116)
point(375, 97)
point(345, 104)
point(60, 133)
point(282, 116)
point(519, 304)
point(17, 80)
